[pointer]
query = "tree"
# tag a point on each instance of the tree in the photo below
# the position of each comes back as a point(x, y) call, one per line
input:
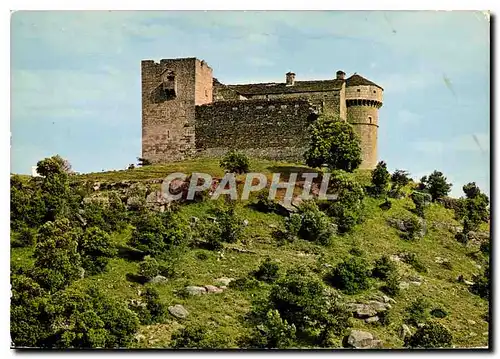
point(380, 178)
point(400, 178)
point(421, 200)
point(436, 185)
point(53, 166)
point(149, 268)
point(143, 162)
point(333, 143)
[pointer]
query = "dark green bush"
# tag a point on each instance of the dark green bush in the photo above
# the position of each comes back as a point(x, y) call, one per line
point(347, 209)
point(439, 313)
point(300, 300)
point(95, 249)
point(244, 283)
point(413, 228)
point(380, 179)
point(383, 267)
point(315, 225)
point(268, 271)
point(274, 332)
point(412, 259)
point(195, 336)
point(391, 286)
point(149, 268)
point(57, 261)
point(431, 335)
point(24, 237)
point(155, 233)
point(417, 311)
point(351, 275)
point(235, 162)
point(481, 284)
point(421, 200)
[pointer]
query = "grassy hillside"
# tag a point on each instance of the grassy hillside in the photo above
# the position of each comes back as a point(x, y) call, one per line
point(224, 313)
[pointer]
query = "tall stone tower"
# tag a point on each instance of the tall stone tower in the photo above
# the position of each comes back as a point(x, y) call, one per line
point(170, 91)
point(363, 99)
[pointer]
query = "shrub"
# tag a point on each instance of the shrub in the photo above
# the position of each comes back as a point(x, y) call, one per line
point(315, 225)
point(292, 226)
point(347, 209)
point(198, 337)
point(447, 265)
point(421, 200)
point(481, 284)
point(485, 247)
point(264, 204)
point(149, 268)
point(333, 143)
point(92, 320)
point(400, 178)
point(202, 256)
point(386, 205)
point(439, 313)
point(380, 178)
point(235, 162)
point(268, 271)
point(155, 233)
point(413, 228)
point(95, 249)
point(274, 332)
point(154, 306)
point(301, 301)
point(383, 267)
point(27, 208)
point(391, 286)
point(436, 185)
point(57, 261)
point(244, 283)
point(356, 251)
point(417, 311)
point(412, 259)
point(431, 335)
point(230, 223)
point(25, 237)
point(351, 275)
point(143, 162)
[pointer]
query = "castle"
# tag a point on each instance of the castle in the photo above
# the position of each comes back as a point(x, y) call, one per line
point(187, 112)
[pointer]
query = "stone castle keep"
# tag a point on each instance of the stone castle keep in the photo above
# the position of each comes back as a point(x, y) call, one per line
point(187, 112)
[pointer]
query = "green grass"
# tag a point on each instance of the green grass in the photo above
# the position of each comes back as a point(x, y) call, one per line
point(225, 312)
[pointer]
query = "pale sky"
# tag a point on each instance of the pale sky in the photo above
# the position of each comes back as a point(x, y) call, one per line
point(76, 78)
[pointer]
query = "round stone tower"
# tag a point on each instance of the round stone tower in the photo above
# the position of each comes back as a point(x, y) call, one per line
point(363, 99)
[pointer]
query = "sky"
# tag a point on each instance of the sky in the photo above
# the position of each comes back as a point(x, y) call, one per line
point(75, 78)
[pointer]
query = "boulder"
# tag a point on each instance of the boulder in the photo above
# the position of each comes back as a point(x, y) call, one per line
point(159, 279)
point(178, 311)
point(213, 289)
point(372, 320)
point(362, 340)
point(404, 285)
point(367, 310)
point(194, 290)
point(404, 332)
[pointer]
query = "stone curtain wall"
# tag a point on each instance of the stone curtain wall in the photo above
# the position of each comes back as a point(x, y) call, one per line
point(324, 101)
point(262, 128)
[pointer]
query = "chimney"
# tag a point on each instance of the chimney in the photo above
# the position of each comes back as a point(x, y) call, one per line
point(340, 75)
point(290, 78)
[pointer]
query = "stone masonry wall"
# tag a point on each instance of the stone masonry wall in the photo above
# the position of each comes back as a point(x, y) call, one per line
point(168, 121)
point(364, 119)
point(262, 128)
